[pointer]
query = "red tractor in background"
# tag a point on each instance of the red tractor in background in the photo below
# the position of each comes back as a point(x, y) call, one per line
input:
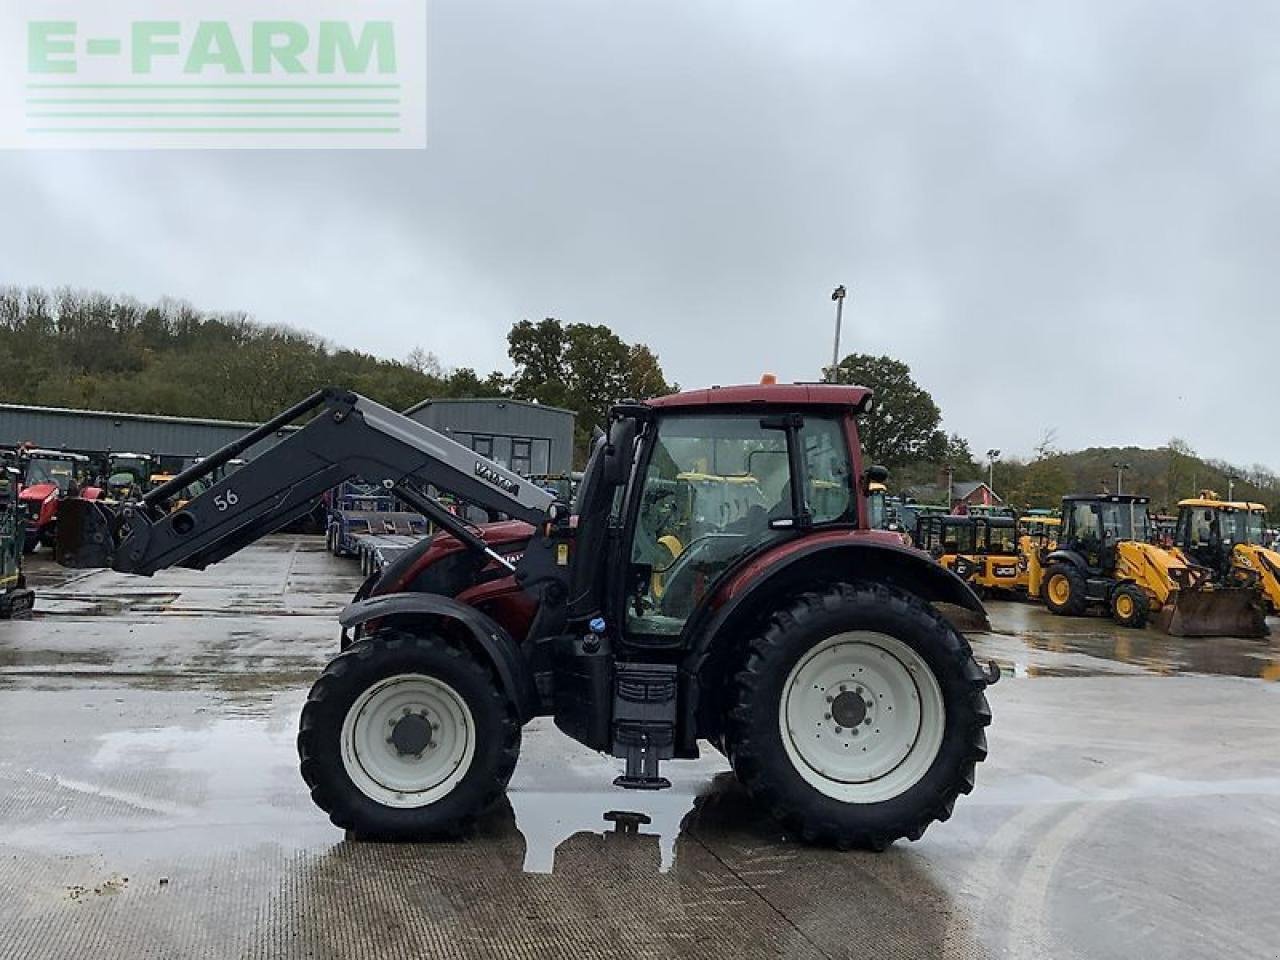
point(48, 478)
point(715, 581)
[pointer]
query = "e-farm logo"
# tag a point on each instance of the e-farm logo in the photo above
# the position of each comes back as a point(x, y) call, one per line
point(213, 73)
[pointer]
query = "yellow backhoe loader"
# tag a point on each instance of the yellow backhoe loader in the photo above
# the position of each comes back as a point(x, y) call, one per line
point(1226, 537)
point(982, 550)
point(1104, 558)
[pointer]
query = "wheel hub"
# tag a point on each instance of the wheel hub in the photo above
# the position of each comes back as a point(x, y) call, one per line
point(411, 734)
point(861, 716)
point(849, 709)
point(408, 740)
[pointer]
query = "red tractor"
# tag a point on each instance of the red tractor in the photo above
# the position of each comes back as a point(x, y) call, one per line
point(715, 581)
point(48, 478)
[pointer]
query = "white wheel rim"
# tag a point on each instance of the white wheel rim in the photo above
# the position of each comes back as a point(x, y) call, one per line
point(384, 725)
point(861, 717)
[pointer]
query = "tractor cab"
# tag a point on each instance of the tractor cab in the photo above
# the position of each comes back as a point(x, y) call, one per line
point(1043, 528)
point(712, 487)
point(983, 550)
point(128, 474)
point(48, 477)
point(1209, 529)
point(54, 470)
point(946, 536)
point(1228, 537)
point(1093, 527)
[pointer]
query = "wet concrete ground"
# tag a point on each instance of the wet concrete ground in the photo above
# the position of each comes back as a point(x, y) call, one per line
point(150, 806)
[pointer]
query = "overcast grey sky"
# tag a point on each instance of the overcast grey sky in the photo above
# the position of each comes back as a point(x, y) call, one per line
point(1060, 215)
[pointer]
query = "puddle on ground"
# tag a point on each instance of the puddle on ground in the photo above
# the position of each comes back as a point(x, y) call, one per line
point(1027, 641)
point(233, 781)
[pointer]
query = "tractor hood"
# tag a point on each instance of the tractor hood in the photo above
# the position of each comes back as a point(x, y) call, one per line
point(494, 534)
point(38, 492)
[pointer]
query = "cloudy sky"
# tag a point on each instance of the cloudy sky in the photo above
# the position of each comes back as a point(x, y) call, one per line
point(1060, 215)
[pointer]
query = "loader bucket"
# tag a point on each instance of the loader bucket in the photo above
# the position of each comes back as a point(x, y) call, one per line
point(85, 537)
point(1216, 612)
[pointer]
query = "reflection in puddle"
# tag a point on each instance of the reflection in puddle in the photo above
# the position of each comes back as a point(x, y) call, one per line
point(1050, 646)
point(547, 820)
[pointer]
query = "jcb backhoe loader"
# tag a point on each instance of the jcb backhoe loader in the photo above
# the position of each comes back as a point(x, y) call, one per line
point(981, 550)
point(1103, 558)
point(1226, 537)
point(804, 645)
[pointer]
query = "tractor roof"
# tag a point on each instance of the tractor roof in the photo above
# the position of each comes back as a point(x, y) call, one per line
point(789, 395)
point(1105, 498)
point(56, 455)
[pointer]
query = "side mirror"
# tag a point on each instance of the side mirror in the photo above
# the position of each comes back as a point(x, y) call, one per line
point(873, 474)
point(618, 451)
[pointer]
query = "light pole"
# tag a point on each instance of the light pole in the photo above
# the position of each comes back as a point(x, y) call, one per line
point(992, 457)
point(1231, 486)
point(837, 295)
point(1120, 469)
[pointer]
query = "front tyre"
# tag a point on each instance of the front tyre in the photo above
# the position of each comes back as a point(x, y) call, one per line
point(858, 717)
point(406, 737)
point(1130, 606)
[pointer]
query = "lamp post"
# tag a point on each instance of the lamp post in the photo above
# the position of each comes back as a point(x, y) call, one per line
point(992, 457)
point(1231, 486)
point(1120, 469)
point(838, 295)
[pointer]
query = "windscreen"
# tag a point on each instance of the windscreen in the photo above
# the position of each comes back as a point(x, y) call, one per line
point(1125, 521)
point(58, 472)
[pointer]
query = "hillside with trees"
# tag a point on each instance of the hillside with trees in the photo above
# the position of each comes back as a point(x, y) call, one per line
point(904, 434)
point(70, 348)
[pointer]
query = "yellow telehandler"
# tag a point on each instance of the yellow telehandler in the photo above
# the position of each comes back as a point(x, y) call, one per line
point(1103, 558)
point(1226, 537)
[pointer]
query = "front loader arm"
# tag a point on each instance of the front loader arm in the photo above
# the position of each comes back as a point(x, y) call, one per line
point(349, 435)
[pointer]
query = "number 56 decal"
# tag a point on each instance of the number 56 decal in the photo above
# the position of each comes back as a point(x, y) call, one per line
point(227, 500)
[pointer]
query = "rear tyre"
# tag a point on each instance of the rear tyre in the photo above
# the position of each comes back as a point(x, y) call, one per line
point(857, 717)
point(1130, 606)
point(406, 737)
point(1065, 590)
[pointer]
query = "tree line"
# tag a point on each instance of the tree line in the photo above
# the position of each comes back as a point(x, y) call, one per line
point(88, 350)
point(904, 434)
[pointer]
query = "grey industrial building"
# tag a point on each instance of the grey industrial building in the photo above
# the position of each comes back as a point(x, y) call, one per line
point(175, 439)
point(532, 439)
point(529, 438)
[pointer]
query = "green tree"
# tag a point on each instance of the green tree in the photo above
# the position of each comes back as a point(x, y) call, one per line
point(903, 426)
point(583, 367)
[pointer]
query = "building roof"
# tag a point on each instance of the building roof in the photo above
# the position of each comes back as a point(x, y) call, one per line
point(497, 401)
point(964, 489)
point(147, 417)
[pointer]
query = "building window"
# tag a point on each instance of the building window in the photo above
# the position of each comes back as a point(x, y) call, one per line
point(522, 456)
point(482, 445)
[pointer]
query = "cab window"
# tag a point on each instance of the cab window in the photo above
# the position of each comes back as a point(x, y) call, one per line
point(711, 488)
